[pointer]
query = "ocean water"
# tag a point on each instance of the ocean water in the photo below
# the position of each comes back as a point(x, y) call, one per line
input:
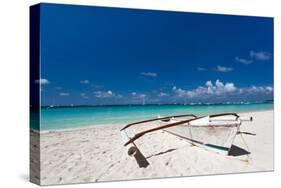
point(78, 117)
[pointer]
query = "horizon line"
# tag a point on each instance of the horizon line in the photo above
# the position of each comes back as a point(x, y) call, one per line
point(159, 104)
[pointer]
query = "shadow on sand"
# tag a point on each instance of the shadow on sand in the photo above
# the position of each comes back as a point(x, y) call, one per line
point(143, 163)
point(237, 151)
point(141, 160)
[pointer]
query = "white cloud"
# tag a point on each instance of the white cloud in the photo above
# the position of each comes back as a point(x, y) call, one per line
point(107, 94)
point(118, 96)
point(142, 96)
point(244, 61)
point(84, 95)
point(259, 89)
point(269, 88)
point(104, 94)
point(254, 55)
point(220, 89)
point(260, 56)
point(42, 81)
point(149, 74)
point(64, 94)
point(183, 93)
point(219, 84)
point(201, 69)
point(223, 69)
point(209, 83)
point(84, 81)
point(138, 96)
point(162, 94)
point(210, 89)
point(230, 87)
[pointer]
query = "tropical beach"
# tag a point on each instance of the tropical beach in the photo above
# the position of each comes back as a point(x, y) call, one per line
point(101, 69)
point(97, 154)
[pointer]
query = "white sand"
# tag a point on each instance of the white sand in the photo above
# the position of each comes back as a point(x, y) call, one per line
point(97, 154)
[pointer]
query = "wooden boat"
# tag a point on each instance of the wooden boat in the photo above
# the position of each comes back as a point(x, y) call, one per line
point(215, 132)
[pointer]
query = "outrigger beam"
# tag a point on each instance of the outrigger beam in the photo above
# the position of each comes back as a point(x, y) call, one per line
point(156, 119)
point(138, 135)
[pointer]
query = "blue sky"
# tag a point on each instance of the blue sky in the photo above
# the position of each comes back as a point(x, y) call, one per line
point(95, 55)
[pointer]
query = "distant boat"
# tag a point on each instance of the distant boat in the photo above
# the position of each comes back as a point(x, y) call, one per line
point(215, 132)
point(50, 106)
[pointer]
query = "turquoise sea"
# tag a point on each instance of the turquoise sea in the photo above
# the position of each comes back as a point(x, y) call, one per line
point(56, 118)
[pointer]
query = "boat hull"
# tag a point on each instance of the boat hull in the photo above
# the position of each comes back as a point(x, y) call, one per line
point(217, 138)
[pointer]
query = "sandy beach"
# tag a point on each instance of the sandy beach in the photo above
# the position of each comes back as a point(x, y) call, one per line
point(97, 154)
